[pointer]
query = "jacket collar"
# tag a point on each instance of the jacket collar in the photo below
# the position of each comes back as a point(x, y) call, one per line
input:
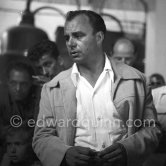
point(60, 77)
point(121, 71)
point(124, 71)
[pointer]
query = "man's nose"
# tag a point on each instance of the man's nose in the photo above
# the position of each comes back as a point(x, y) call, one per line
point(18, 86)
point(71, 42)
point(45, 71)
point(125, 61)
point(13, 148)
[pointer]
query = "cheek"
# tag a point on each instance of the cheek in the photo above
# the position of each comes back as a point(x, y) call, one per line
point(11, 89)
point(8, 150)
point(21, 152)
point(26, 90)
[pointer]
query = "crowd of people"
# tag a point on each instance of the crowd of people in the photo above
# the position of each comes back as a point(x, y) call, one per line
point(99, 112)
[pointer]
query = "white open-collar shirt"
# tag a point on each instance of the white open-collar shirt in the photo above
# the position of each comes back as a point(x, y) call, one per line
point(98, 122)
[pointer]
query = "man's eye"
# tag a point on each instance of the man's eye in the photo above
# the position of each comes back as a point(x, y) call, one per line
point(78, 36)
point(18, 143)
point(24, 84)
point(8, 144)
point(118, 58)
point(48, 64)
point(12, 83)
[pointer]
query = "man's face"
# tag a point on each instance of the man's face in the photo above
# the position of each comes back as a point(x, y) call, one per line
point(80, 39)
point(48, 66)
point(19, 84)
point(155, 83)
point(124, 53)
point(16, 148)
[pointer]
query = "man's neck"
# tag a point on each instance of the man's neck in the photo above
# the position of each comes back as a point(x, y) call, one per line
point(92, 72)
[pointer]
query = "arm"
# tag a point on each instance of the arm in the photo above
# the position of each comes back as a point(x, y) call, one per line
point(145, 139)
point(49, 148)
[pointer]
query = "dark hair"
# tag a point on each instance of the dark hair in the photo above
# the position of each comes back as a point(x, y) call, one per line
point(25, 133)
point(20, 66)
point(95, 19)
point(158, 77)
point(45, 46)
point(25, 130)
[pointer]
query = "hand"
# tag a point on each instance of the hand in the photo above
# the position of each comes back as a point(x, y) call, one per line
point(78, 156)
point(5, 160)
point(40, 80)
point(115, 153)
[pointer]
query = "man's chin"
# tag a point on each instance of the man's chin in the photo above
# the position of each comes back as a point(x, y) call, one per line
point(19, 98)
point(14, 160)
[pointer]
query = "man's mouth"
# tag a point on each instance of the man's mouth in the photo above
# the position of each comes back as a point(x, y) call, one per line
point(13, 157)
point(74, 53)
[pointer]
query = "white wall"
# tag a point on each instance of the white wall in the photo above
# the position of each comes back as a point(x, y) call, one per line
point(48, 20)
point(156, 40)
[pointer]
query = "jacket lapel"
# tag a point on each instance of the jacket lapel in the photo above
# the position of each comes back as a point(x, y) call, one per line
point(117, 78)
point(121, 72)
point(70, 106)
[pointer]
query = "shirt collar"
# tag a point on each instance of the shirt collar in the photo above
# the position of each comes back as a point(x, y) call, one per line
point(107, 66)
point(75, 74)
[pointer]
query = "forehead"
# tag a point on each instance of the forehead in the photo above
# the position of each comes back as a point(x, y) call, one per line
point(78, 23)
point(44, 59)
point(19, 137)
point(19, 75)
point(124, 47)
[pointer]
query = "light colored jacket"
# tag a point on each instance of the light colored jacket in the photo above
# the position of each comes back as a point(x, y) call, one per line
point(132, 100)
point(159, 99)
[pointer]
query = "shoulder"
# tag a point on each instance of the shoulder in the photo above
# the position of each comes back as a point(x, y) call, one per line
point(159, 91)
point(64, 75)
point(127, 72)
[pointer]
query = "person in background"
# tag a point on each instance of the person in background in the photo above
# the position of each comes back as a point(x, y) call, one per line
point(97, 112)
point(5, 60)
point(156, 80)
point(18, 147)
point(159, 98)
point(45, 57)
point(19, 96)
point(124, 51)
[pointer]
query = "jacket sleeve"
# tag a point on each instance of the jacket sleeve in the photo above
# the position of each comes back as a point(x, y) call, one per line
point(146, 138)
point(49, 148)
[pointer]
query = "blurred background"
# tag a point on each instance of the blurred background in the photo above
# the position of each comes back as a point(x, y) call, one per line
point(25, 22)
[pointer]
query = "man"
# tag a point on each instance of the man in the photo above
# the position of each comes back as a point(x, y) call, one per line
point(45, 57)
point(18, 147)
point(89, 113)
point(159, 98)
point(124, 51)
point(18, 96)
point(156, 80)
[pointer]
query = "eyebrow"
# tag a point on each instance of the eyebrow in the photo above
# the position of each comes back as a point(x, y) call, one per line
point(76, 32)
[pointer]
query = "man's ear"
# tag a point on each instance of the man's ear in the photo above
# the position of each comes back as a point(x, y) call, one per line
point(99, 37)
point(60, 60)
